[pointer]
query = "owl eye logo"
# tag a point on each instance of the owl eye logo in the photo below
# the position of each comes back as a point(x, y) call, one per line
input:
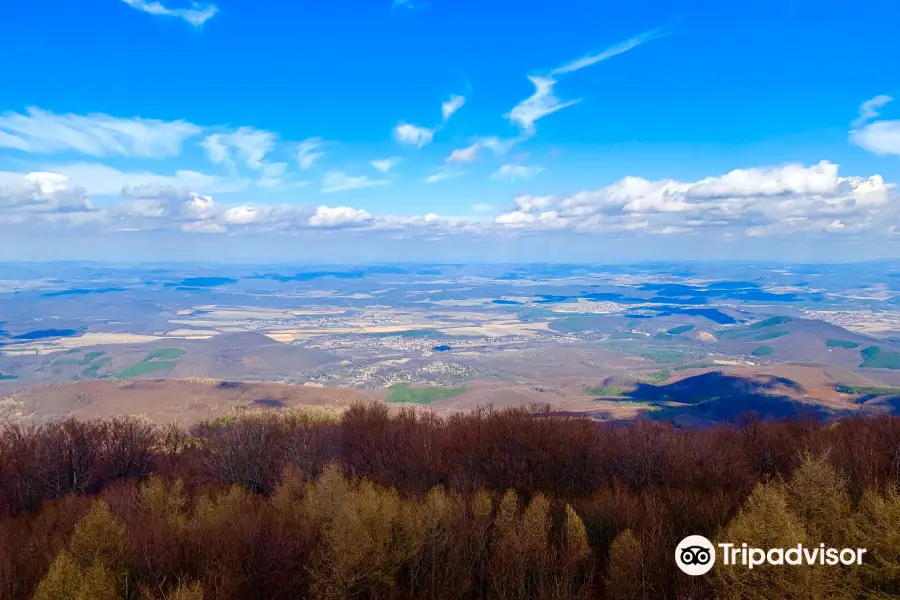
point(695, 555)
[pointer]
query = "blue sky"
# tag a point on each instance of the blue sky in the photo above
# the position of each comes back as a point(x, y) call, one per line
point(448, 130)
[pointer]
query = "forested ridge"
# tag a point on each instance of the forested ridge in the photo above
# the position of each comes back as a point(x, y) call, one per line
point(491, 504)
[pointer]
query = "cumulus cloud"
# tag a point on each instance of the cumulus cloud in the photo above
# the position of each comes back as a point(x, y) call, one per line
point(879, 137)
point(336, 181)
point(529, 204)
point(203, 227)
point(44, 132)
point(42, 192)
point(520, 220)
point(197, 15)
point(787, 200)
point(464, 155)
point(164, 202)
point(544, 102)
point(451, 106)
point(386, 164)
point(306, 152)
point(763, 200)
point(769, 181)
point(515, 172)
point(412, 135)
point(167, 207)
point(339, 216)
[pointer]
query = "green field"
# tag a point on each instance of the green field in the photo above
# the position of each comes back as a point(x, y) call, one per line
point(659, 354)
point(841, 344)
point(681, 329)
point(735, 334)
point(165, 354)
point(770, 335)
point(865, 389)
point(770, 322)
point(7, 377)
point(653, 377)
point(404, 392)
point(762, 351)
point(577, 323)
point(160, 359)
point(589, 390)
point(876, 358)
point(696, 366)
point(93, 370)
point(83, 361)
point(753, 330)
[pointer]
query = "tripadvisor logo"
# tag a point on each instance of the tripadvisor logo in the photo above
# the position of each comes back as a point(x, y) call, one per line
point(696, 555)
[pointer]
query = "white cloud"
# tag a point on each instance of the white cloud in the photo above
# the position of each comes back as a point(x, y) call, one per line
point(203, 227)
point(100, 179)
point(515, 172)
point(538, 105)
point(868, 110)
point(247, 144)
point(306, 155)
point(452, 105)
point(464, 155)
point(241, 215)
point(41, 192)
point(879, 137)
point(519, 219)
point(386, 164)
point(272, 175)
point(340, 216)
point(445, 174)
point(531, 203)
point(164, 202)
point(412, 135)
point(789, 179)
point(497, 145)
point(197, 15)
point(543, 102)
point(430, 224)
point(788, 200)
point(335, 181)
point(592, 59)
point(44, 132)
point(766, 200)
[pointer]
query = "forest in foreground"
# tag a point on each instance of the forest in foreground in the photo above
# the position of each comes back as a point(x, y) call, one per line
point(491, 504)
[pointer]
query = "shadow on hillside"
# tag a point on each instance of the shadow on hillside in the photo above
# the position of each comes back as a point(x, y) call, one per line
point(718, 398)
point(709, 386)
